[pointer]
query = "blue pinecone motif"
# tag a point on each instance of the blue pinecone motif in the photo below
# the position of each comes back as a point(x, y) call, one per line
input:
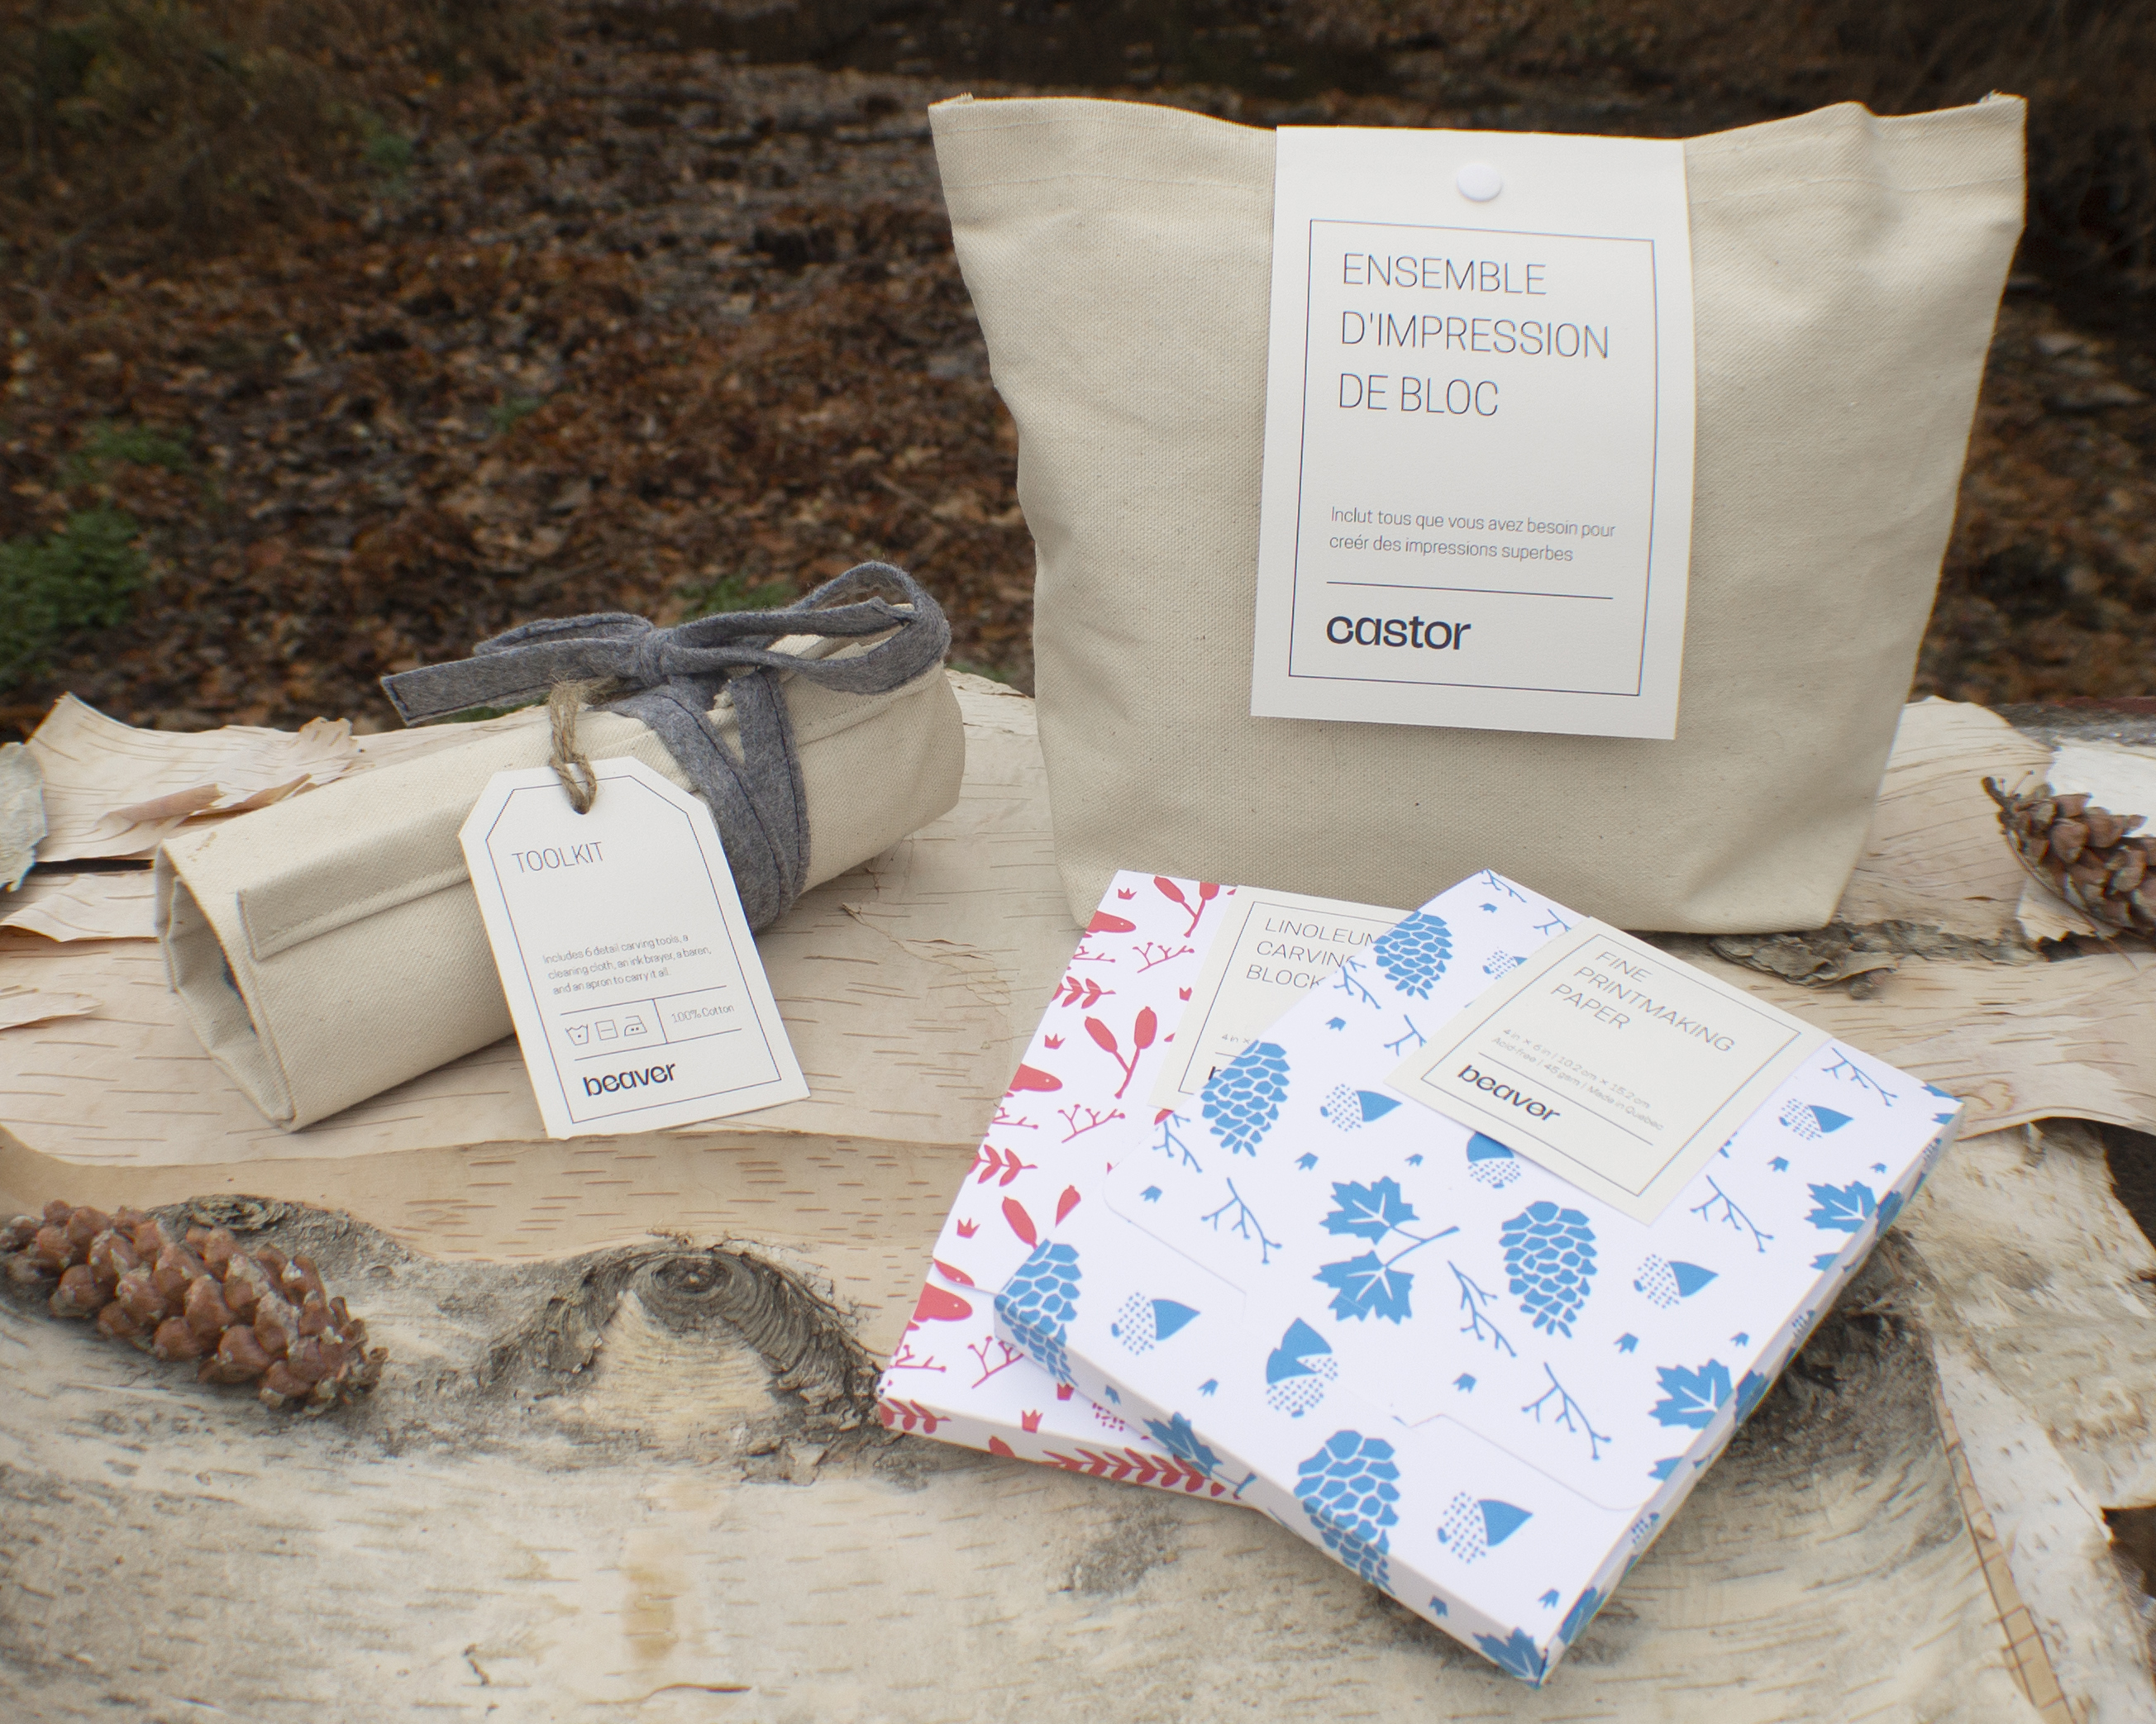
point(1245, 1097)
point(1549, 1253)
point(1038, 1302)
point(1412, 954)
point(1349, 1489)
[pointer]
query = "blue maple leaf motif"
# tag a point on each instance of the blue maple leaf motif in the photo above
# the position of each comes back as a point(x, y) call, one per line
point(1826, 1260)
point(1581, 1613)
point(1465, 1382)
point(1208, 1386)
point(1843, 1208)
point(1751, 1388)
point(1306, 1162)
point(1336, 1023)
point(1691, 1397)
point(1179, 1439)
point(1662, 1469)
point(1516, 1655)
point(1780, 1164)
point(1151, 1193)
point(1369, 1212)
point(1628, 1343)
point(1365, 1288)
point(1549, 1600)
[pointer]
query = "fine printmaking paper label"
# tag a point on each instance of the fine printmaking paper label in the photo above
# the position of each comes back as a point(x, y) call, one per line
point(1269, 950)
point(1613, 1065)
point(1478, 466)
point(638, 998)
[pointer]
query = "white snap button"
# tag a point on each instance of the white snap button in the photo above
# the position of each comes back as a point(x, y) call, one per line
point(1479, 181)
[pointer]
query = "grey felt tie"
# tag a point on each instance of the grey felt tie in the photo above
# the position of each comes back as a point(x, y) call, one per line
point(675, 675)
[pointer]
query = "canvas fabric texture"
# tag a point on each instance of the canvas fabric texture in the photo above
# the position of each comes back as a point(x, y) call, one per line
point(1847, 269)
point(330, 947)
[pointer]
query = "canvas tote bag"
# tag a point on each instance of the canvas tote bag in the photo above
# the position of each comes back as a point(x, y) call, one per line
point(329, 947)
point(1848, 269)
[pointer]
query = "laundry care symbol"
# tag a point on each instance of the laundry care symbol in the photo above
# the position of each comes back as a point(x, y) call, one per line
point(1298, 1370)
point(1472, 1527)
point(1141, 1322)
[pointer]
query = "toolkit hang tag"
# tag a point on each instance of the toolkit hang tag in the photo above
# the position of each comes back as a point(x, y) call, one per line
point(638, 998)
point(1476, 508)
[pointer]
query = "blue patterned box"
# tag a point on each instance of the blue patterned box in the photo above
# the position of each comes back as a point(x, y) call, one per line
point(1477, 1386)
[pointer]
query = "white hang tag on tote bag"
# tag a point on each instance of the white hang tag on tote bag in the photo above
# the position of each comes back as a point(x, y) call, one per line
point(1477, 500)
point(634, 983)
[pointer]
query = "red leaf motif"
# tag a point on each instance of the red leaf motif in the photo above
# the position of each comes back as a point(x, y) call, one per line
point(1103, 1037)
point(1161, 1115)
point(1031, 1421)
point(1104, 923)
point(949, 1274)
point(1142, 1031)
point(1021, 1223)
point(940, 1305)
point(1207, 891)
point(1170, 890)
point(997, 1445)
point(1031, 1077)
point(1065, 1204)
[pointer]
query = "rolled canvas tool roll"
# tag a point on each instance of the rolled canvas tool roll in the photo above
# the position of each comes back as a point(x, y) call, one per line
point(1847, 270)
point(331, 947)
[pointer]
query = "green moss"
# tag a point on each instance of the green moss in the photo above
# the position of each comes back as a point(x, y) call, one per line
point(84, 576)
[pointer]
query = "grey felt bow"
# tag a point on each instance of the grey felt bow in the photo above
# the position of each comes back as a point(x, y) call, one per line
point(675, 673)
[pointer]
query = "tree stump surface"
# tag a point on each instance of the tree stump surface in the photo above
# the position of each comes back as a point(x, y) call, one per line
point(624, 1460)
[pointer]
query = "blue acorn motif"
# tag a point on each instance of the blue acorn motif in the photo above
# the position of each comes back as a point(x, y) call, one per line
point(1038, 1302)
point(1549, 1253)
point(1141, 1322)
point(1664, 1283)
point(1349, 1489)
point(1244, 1096)
point(1352, 1109)
point(1471, 1527)
point(1298, 1370)
point(1501, 963)
point(1490, 1162)
point(1811, 1122)
point(1413, 953)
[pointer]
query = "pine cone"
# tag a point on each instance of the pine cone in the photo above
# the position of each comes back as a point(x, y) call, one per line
point(2084, 854)
point(247, 1316)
